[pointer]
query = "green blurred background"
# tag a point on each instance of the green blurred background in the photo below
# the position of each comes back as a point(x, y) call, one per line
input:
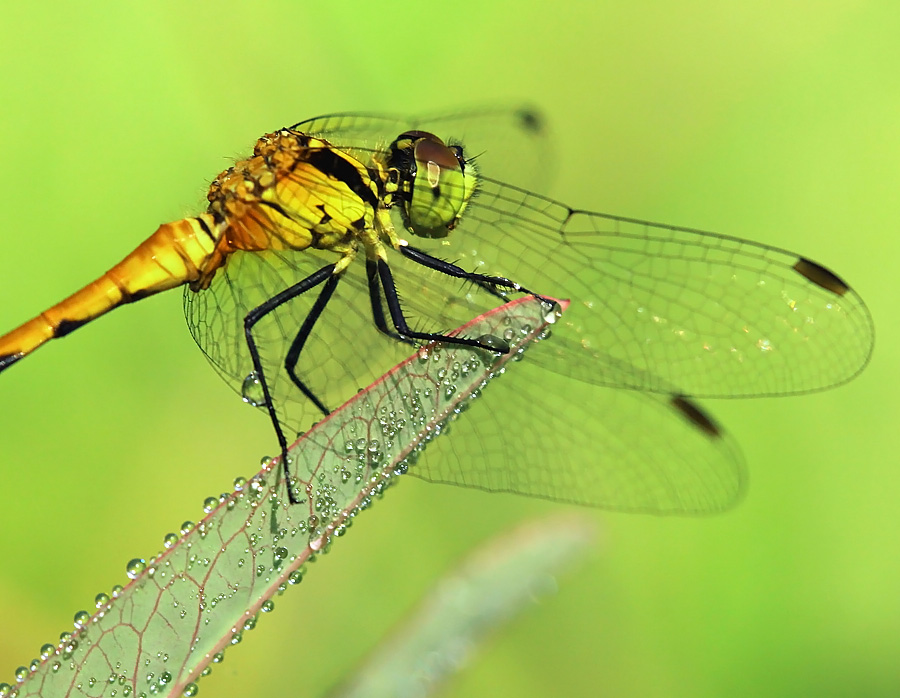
point(777, 121)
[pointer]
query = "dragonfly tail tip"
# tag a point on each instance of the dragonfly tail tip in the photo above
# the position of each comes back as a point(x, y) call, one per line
point(7, 360)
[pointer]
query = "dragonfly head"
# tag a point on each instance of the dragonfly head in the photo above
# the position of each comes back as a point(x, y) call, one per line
point(433, 181)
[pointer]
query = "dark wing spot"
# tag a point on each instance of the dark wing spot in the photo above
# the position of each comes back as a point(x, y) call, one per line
point(530, 120)
point(8, 360)
point(67, 326)
point(821, 276)
point(696, 416)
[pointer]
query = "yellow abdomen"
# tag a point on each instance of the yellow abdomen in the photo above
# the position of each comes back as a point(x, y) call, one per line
point(177, 253)
point(295, 192)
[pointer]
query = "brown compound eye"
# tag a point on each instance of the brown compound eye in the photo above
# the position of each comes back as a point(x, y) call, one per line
point(428, 150)
point(434, 187)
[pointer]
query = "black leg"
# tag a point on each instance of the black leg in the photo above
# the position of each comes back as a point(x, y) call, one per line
point(393, 303)
point(293, 354)
point(375, 300)
point(250, 320)
point(449, 269)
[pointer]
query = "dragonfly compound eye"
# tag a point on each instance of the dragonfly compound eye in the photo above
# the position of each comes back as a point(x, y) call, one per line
point(435, 182)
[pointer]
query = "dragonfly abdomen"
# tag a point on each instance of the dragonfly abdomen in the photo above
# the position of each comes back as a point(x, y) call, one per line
point(177, 253)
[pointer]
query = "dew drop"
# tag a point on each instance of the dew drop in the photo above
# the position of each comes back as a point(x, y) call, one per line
point(47, 651)
point(551, 312)
point(252, 390)
point(190, 690)
point(135, 567)
point(170, 540)
point(81, 619)
point(101, 599)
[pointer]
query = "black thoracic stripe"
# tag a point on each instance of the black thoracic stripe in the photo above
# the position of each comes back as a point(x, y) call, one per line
point(202, 224)
point(375, 176)
point(275, 206)
point(330, 163)
point(325, 219)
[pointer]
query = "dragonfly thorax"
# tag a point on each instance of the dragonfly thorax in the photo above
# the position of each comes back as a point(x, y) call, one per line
point(434, 182)
point(295, 192)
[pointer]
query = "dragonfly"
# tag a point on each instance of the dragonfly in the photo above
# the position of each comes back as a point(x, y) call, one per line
point(346, 239)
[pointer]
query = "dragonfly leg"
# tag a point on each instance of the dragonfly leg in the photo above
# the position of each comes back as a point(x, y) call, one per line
point(293, 355)
point(403, 328)
point(255, 316)
point(487, 282)
point(375, 299)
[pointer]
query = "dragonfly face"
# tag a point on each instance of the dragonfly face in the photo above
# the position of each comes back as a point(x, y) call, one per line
point(434, 182)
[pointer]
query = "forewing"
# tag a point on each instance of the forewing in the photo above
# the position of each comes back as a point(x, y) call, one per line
point(511, 143)
point(657, 305)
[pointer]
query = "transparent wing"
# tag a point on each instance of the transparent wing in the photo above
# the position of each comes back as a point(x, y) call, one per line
point(655, 308)
point(658, 305)
point(529, 434)
point(555, 438)
point(510, 143)
point(344, 353)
